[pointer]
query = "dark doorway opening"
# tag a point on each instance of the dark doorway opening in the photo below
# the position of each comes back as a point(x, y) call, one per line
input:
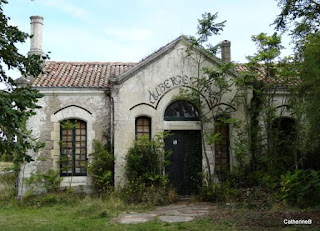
point(185, 166)
point(284, 136)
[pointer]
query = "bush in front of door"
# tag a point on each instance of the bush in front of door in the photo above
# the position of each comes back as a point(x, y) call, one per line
point(145, 165)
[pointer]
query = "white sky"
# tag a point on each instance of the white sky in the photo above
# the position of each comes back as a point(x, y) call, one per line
point(127, 31)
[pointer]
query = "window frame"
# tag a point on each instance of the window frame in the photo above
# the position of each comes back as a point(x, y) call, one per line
point(227, 128)
point(73, 121)
point(136, 126)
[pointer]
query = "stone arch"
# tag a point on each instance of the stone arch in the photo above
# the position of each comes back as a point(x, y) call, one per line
point(70, 112)
point(73, 106)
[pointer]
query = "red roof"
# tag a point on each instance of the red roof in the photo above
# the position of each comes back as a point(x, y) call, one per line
point(79, 74)
point(261, 75)
point(97, 74)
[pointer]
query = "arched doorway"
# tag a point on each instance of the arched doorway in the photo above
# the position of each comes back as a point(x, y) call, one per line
point(185, 166)
point(284, 135)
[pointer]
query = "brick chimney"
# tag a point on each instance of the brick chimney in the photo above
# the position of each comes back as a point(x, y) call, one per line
point(226, 51)
point(36, 32)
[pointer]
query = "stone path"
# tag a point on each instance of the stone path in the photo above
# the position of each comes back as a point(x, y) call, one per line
point(170, 213)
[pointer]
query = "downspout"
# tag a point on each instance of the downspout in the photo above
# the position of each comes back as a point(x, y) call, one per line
point(107, 92)
point(111, 109)
point(112, 83)
point(112, 123)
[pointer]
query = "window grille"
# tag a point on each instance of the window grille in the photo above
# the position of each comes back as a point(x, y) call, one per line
point(221, 147)
point(73, 148)
point(143, 127)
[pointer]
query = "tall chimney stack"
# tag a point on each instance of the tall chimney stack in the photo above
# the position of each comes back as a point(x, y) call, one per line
point(36, 32)
point(225, 51)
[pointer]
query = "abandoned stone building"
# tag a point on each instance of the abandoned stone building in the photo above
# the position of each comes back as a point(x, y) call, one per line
point(118, 102)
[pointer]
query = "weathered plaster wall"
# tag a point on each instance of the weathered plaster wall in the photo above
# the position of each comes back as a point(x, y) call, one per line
point(279, 98)
point(90, 105)
point(147, 93)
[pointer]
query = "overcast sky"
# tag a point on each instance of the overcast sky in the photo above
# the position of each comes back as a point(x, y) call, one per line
point(123, 30)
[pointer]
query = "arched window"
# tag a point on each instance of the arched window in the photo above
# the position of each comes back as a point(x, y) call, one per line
point(143, 127)
point(73, 148)
point(181, 110)
point(221, 145)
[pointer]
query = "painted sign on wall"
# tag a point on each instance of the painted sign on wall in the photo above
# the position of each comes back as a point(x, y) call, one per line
point(160, 89)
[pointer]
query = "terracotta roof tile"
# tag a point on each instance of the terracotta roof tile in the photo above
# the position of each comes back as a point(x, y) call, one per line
point(97, 74)
point(261, 75)
point(79, 74)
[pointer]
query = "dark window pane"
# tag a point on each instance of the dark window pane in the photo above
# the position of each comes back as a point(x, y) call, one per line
point(181, 110)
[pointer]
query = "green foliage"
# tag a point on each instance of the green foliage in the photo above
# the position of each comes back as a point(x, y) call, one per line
point(274, 144)
point(137, 191)
point(50, 181)
point(271, 150)
point(68, 124)
point(212, 90)
point(305, 101)
point(147, 159)
point(207, 27)
point(301, 16)
point(220, 192)
point(249, 189)
point(273, 147)
point(50, 198)
point(101, 167)
point(145, 166)
point(16, 104)
point(300, 188)
point(10, 36)
point(268, 49)
point(15, 108)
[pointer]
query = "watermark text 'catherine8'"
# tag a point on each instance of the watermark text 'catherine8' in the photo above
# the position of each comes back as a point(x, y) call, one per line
point(297, 222)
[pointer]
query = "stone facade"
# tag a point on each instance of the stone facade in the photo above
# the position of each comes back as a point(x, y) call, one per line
point(109, 97)
point(89, 105)
point(148, 90)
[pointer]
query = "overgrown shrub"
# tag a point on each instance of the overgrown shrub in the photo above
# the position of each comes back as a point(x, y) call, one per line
point(248, 189)
point(134, 192)
point(146, 161)
point(300, 187)
point(145, 166)
point(49, 181)
point(220, 192)
point(102, 167)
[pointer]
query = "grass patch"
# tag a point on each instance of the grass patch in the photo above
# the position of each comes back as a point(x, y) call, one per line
point(5, 165)
point(7, 186)
point(66, 211)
